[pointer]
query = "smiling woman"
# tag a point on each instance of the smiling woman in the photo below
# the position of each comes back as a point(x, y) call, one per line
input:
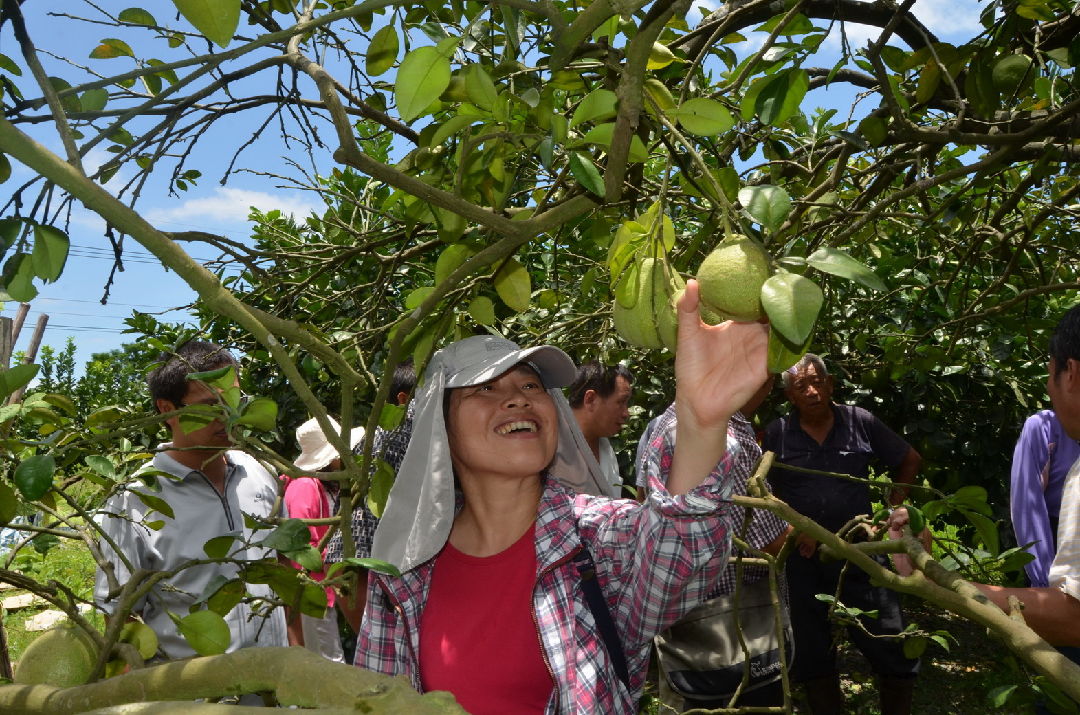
point(496, 528)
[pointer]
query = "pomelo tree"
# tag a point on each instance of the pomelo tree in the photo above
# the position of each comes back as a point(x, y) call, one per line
point(512, 166)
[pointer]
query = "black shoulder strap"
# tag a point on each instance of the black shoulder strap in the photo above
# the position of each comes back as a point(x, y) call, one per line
point(594, 597)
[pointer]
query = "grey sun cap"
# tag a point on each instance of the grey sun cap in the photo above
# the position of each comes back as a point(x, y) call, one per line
point(482, 358)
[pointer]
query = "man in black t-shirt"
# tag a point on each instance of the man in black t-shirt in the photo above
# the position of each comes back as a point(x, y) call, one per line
point(819, 434)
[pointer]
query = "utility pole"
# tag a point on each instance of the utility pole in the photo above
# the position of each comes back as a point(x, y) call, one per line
point(31, 353)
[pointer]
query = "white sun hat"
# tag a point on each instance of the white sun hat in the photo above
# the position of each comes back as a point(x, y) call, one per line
point(316, 452)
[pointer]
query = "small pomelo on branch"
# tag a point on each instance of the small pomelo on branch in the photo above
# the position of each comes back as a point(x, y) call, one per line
point(644, 314)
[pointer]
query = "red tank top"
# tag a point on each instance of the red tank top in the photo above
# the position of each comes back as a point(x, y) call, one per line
point(478, 635)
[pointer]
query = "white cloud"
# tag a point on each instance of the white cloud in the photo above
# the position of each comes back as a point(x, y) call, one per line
point(948, 20)
point(229, 205)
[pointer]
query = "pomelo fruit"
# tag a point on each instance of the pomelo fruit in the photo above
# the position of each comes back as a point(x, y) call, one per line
point(1011, 72)
point(62, 656)
point(731, 277)
point(641, 322)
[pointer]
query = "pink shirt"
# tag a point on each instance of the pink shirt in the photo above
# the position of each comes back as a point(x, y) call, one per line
point(306, 498)
point(478, 638)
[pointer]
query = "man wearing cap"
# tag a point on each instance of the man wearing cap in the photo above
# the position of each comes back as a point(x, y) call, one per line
point(313, 498)
point(600, 398)
point(211, 489)
point(821, 435)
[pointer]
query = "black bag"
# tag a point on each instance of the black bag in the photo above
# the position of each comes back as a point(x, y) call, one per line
point(700, 655)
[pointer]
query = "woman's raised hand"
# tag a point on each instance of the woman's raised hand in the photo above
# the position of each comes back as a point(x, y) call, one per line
point(718, 368)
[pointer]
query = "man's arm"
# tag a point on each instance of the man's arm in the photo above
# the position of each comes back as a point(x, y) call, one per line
point(905, 474)
point(1027, 501)
point(1050, 612)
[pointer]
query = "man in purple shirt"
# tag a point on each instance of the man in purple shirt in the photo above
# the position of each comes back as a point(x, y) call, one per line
point(1041, 460)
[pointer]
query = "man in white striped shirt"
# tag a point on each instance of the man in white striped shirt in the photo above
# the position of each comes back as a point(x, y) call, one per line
point(1054, 612)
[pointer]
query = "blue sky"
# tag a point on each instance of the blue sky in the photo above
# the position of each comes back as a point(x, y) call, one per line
point(73, 302)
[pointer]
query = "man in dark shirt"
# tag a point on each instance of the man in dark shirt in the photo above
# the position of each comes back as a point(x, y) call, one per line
point(819, 434)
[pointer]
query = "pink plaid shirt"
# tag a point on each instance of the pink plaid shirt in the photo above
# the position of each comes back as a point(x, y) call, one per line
point(654, 562)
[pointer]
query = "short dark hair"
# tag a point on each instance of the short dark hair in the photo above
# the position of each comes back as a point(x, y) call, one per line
point(404, 379)
point(168, 381)
point(599, 378)
point(805, 362)
point(1065, 342)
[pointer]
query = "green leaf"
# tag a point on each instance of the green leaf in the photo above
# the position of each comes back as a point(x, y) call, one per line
point(308, 557)
point(836, 262)
point(94, 100)
point(480, 87)
point(7, 64)
point(50, 252)
point(373, 565)
point(18, 277)
point(391, 415)
point(628, 239)
point(219, 546)
point(226, 596)
point(9, 504)
point(379, 487)
point(101, 464)
point(260, 413)
point(999, 696)
point(5, 172)
point(383, 51)
point(874, 129)
point(18, 376)
point(313, 600)
point(482, 310)
point(9, 411)
point(704, 117)
point(601, 135)
point(450, 127)
point(111, 47)
point(792, 303)
point(205, 631)
point(449, 261)
point(586, 173)
point(9, 233)
point(198, 416)
point(221, 377)
point(596, 105)
point(34, 476)
point(514, 285)
point(418, 296)
point(916, 520)
point(156, 504)
point(216, 19)
point(782, 354)
point(985, 528)
point(775, 98)
point(137, 16)
point(768, 205)
point(660, 57)
point(290, 535)
point(914, 646)
point(422, 77)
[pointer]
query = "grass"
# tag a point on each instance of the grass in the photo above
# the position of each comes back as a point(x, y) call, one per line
point(68, 562)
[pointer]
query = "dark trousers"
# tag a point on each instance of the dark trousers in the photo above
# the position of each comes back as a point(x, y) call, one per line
point(815, 647)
